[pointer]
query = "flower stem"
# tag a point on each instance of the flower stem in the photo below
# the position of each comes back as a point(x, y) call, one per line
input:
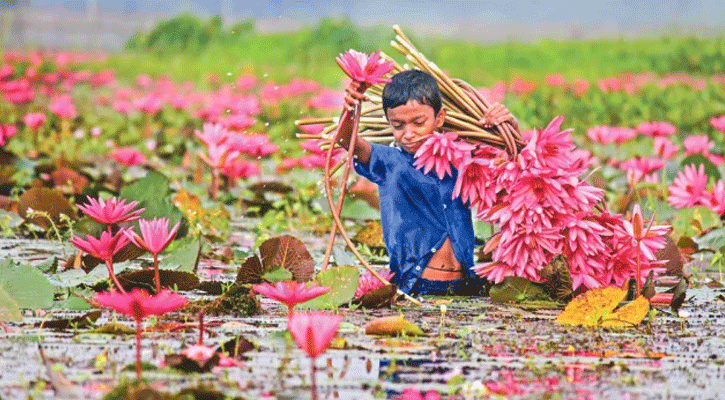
point(201, 327)
point(109, 265)
point(638, 277)
point(157, 274)
point(313, 373)
point(138, 349)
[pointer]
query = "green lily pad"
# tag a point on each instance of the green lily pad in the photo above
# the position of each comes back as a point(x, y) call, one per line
point(183, 255)
point(9, 309)
point(27, 285)
point(692, 221)
point(697, 159)
point(515, 289)
point(342, 281)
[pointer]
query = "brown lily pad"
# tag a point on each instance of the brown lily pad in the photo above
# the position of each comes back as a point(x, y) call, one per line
point(85, 321)
point(144, 279)
point(236, 347)
point(383, 296)
point(288, 252)
point(50, 201)
point(70, 180)
point(250, 271)
point(127, 252)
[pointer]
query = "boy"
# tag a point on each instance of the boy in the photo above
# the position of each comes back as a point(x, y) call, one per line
point(428, 234)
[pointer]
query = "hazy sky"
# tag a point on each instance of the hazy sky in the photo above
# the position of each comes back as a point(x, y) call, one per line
point(495, 11)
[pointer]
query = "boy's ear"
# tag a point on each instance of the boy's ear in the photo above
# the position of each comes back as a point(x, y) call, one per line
point(441, 117)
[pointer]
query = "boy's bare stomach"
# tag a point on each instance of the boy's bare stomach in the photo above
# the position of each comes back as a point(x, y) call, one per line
point(443, 265)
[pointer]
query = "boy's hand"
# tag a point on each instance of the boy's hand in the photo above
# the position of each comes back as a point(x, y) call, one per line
point(354, 94)
point(496, 115)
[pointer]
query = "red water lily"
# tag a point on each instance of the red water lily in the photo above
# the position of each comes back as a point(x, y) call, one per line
point(290, 293)
point(138, 304)
point(104, 248)
point(363, 68)
point(111, 211)
point(155, 236)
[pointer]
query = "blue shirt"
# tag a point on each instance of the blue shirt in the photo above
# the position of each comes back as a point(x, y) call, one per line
point(418, 213)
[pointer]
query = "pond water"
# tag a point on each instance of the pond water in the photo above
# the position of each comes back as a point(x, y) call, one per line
point(475, 349)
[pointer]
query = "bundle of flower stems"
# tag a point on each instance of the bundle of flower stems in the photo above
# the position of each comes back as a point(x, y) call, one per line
point(465, 107)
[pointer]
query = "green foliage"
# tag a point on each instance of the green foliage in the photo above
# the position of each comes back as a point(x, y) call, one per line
point(26, 285)
point(342, 281)
point(183, 255)
point(154, 194)
point(693, 221)
point(696, 159)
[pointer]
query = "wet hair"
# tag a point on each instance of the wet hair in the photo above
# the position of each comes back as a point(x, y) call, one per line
point(412, 85)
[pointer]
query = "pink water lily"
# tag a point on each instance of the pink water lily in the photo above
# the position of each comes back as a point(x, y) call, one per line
point(34, 120)
point(368, 281)
point(111, 211)
point(647, 239)
point(441, 150)
point(138, 304)
point(104, 248)
point(689, 188)
point(363, 68)
point(313, 331)
point(155, 236)
point(290, 293)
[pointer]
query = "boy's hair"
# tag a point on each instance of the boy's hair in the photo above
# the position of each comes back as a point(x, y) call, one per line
point(412, 85)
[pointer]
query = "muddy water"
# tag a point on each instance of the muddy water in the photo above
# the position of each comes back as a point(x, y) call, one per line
point(475, 349)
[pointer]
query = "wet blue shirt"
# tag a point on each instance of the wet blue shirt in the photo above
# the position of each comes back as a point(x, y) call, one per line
point(417, 213)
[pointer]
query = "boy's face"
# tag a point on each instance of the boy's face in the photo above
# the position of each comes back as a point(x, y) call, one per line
point(413, 122)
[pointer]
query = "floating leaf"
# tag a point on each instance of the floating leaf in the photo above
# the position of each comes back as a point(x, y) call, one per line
point(50, 201)
point(85, 321)
point(383, 296)
point(214, 220)
point(27, 285)
point(589, 308)
point(185, 364)
point(288, 252)
point(278, 274)
point(516, 289)
point(342, 281)
point(9, 309)
point(393, 326)
point(144, 279)
point(66, 178)
point(183, 255)
point(250, 271)
point(628, 315)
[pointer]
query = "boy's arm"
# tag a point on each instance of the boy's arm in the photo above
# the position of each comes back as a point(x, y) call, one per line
point(354, 94)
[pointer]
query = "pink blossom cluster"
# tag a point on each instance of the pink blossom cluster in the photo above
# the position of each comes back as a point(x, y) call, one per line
point(314, 157)
point(230, 152)
point(368, 282)
point(690, 189)
point(272, 93)
point(6, 132)
point(701, 144)
point(642, 168)
point(542, 207)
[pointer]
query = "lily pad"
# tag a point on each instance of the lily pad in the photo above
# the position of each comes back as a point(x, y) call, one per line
point(9, 308)
point(144, 279)
point(342, 281)
point(515, 289)
point(183, 255)
point(288, 252)
point(26, 285)
point(393, 326)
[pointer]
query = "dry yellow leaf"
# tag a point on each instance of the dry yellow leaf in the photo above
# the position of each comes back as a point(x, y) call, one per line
point(628, 315)
point(591, 307)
